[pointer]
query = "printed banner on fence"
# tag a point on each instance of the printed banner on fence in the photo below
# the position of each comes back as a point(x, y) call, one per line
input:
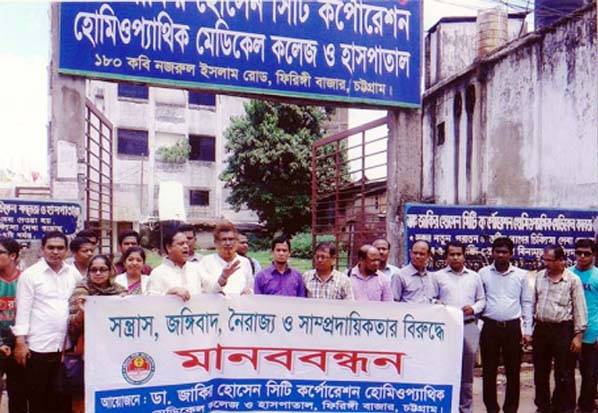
point(362, 51)
point(531, 229)
point(26, 220)
point(270, 354)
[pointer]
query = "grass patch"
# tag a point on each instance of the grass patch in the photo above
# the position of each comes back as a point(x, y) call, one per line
point(152, 259)
point(264, 257)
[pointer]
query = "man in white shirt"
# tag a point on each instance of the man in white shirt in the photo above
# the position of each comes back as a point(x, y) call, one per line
point(226, 271)
point(460, 287)
point(508, 302)
point(43, 292)
point(175, 275)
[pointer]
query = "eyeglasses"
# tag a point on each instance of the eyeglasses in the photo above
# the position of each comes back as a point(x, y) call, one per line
point(584, 253)
point(99, 270)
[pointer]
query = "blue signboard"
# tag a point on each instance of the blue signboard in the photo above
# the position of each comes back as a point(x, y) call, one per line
point(26, 220)
point(531, 229)
point(359, 51)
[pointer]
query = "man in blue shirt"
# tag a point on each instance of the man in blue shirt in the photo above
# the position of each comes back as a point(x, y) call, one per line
point(508, 303)
point(588, 273)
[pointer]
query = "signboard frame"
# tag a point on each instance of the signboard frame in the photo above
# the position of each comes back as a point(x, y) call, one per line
point(309, 96)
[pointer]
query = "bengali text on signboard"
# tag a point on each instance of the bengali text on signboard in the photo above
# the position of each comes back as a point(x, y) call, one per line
point(27, 220)
point(531, 230)
point(361, 51)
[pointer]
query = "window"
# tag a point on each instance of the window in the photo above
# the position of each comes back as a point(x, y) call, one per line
point(204, 99)
point(199, 197)
point(203, 148)
point(127, 90)
point(132, 142)
point(440, 134)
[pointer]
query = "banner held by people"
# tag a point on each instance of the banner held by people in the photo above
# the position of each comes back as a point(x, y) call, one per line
point(268, 353)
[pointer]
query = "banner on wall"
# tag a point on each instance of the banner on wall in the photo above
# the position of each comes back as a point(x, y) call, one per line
point(356, 51)
point(270, 354)
point(531, 230)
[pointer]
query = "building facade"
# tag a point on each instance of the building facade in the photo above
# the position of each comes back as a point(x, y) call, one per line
point(516, 127)
point(149, 120)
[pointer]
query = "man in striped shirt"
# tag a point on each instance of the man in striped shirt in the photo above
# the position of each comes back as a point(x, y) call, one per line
point(324, 281)
point(560, 321)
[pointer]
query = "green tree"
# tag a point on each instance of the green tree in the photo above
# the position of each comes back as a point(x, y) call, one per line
point(269, 164)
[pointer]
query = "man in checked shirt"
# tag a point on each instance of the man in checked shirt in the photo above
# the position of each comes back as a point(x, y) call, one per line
point(324, 281)
point(560, 320)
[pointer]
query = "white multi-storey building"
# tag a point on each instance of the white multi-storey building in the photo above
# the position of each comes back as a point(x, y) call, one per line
point(147, 118)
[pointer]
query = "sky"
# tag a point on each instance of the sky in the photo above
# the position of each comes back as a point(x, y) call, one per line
point(24, 54)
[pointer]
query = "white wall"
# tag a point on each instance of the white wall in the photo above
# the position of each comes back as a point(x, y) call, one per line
point(534, 125)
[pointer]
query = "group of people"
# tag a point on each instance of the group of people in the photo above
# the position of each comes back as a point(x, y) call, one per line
point(555, 310)
point(560, 307)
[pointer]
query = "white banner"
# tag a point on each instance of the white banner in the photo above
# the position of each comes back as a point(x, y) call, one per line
point(265, 353)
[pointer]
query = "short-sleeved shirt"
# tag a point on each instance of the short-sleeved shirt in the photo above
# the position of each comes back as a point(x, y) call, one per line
point(8, 292)
point(589, 280)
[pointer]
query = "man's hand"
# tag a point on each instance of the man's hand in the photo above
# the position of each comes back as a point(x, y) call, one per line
point(5, 349)
point(21, 351)
point(526, 340)
point(228, 271)
point(576, 344)
point(181, 292)
point(468, 310)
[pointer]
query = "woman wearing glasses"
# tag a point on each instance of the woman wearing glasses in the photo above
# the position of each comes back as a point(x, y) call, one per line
point(99, 281)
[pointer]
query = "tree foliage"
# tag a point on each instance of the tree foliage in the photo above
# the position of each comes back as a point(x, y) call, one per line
point(177, 153)
point(269, 164)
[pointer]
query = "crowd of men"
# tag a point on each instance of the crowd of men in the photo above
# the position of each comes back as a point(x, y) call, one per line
point(557, 312)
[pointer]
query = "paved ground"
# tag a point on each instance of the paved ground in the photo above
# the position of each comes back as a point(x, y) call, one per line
point(526, 401)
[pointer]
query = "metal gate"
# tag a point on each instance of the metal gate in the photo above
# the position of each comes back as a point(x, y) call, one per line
point(98, 176)
point(349, 188)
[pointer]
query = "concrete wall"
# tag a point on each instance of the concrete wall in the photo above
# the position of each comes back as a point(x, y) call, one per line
point(533, 125)
point(451, 45)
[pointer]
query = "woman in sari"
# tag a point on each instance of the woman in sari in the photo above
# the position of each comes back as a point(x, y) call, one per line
point(132, 279)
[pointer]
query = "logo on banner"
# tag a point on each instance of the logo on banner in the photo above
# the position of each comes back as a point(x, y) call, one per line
point(138, 368)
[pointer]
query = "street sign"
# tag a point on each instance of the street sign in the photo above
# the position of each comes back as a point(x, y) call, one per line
point(27, 220)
